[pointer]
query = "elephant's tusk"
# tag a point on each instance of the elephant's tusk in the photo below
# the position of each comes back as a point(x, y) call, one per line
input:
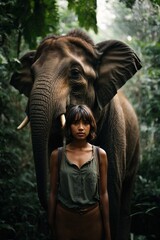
point(23, 123)
point(63, 120)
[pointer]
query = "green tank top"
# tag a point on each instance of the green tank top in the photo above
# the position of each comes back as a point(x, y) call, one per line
point(79, 186)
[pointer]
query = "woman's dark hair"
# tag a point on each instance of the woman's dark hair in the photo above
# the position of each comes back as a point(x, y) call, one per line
point(80, 112)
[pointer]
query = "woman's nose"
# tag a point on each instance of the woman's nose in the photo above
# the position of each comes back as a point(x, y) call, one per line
point(81, 126)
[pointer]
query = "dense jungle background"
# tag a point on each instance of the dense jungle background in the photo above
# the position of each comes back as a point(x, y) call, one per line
point(23, 24)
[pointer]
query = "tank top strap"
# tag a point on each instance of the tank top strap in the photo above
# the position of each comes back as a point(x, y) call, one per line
point(60, 150)
point(96, 157)
point(60, 158)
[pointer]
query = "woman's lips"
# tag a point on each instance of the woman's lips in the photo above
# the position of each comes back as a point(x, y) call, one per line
point(80, 134)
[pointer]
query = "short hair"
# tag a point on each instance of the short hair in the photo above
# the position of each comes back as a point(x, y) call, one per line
point(79, 112)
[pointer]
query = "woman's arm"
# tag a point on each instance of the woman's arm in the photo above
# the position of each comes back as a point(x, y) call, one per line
point(104, 201)
point(53, 189)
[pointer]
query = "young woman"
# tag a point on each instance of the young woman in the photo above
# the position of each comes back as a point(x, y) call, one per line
point(78, 203)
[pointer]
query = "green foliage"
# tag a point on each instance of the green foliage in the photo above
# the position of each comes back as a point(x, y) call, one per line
point(130, 3)
point(21, 214)
point(86, 12)
point(68, 21)
point(30, 18)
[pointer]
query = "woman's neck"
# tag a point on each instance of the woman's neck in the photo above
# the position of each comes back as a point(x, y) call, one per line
point(79, 144)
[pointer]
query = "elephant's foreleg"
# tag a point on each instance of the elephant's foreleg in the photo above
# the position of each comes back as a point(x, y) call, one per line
point(126, 196)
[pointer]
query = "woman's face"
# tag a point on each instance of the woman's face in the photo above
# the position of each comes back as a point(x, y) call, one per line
point(80, 129)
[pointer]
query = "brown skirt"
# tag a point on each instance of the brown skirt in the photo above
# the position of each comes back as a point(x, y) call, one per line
point(73, 225)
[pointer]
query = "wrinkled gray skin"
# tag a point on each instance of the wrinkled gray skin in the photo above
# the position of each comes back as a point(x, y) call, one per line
point(69, 70)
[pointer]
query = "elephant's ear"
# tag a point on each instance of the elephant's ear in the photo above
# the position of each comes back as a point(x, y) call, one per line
point(117, 64)
point(23, 79)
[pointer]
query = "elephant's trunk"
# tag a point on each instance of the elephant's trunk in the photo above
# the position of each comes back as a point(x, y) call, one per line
point(40, 130)
point(42, 111)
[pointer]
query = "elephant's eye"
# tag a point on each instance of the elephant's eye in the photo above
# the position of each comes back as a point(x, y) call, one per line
point(74, 73)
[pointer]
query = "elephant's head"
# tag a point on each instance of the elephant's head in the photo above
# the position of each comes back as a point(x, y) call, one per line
point(68, 70)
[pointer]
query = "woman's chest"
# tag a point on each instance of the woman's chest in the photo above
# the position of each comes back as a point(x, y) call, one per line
point(79, 158)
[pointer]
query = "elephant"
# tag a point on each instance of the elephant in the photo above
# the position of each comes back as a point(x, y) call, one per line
point(71, 69)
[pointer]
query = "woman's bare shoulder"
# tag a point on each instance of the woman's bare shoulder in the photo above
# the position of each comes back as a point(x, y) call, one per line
point(102, 152)
point(54, 158)
point(54, 153)
point(103, 156)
